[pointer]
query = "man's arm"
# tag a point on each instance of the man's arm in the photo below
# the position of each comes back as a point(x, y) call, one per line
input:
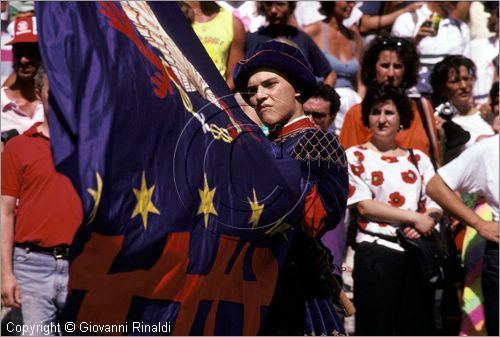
point(331, 79)
point(10, 289)
point(236, 52)
point(448, 200)
point(378, 211)
point(376, 22)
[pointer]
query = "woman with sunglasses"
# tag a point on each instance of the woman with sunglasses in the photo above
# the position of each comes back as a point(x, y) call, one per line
point(394, 61)
point(387, 187)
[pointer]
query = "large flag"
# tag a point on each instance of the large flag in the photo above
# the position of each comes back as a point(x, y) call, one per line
point(188, 207)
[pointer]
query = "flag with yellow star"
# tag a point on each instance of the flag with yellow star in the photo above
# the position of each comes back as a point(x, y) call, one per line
point(188, 213)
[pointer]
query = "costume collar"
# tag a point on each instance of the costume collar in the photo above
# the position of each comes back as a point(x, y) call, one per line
point(292, 127)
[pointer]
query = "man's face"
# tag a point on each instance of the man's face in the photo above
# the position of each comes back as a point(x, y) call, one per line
point(448, 6)
point(343, 9)
point(318, 110)
point(26, 59)
point(277, 12)
point(493, 23)
point(273, 98)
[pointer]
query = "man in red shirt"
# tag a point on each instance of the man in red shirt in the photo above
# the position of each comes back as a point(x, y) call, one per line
point(36, 236)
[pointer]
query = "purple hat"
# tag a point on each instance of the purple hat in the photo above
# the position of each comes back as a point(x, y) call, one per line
point(287, 60)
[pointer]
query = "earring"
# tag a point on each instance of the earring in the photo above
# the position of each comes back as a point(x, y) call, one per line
point(400, 127)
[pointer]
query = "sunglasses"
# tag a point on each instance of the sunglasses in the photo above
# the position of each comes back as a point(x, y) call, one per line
point(29, 50)
point(394, 41)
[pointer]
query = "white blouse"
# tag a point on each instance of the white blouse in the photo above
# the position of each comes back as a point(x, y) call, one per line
point(391, 180)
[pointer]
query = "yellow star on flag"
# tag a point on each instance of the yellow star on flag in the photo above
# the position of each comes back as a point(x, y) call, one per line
point(256, 210)
point(144, 203)
point(207, 202)
point(280, 227)
point(96, 195)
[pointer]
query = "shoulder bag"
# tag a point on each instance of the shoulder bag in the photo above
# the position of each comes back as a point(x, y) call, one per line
point(436, 254)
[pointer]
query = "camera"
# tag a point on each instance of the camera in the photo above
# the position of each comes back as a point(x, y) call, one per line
point(455, 134)
point(9, 134)
point(446, 111)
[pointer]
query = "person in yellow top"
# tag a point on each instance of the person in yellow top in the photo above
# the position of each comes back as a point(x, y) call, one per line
point(221, 33)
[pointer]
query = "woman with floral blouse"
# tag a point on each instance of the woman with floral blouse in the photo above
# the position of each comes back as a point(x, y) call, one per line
point(388, 191)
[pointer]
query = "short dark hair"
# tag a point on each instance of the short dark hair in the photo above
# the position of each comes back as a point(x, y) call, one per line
point(493, 93)
point(439, 76)
point(328, 93)
point(263, 6)
point(326, 9)
point(405, 49)
point(381, 93)
point(491, 6)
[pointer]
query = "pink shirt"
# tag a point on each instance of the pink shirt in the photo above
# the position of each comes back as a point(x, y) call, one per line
point(14, 118)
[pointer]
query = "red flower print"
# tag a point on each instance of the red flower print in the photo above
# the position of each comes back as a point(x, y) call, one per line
point(357, 169)
point(362, 147)
point(409, 177)
point(359, 155)
point(363, 224)
point(396, 199)
point(352, 189)
point(377, 178)
point(421, 206)
point(417, 158)
point(382, 225)
point(389, 159)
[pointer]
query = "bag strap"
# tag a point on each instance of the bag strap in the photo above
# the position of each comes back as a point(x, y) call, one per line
point(382, 236)
point(429, 127)
point(414, 161)
point(427, 124)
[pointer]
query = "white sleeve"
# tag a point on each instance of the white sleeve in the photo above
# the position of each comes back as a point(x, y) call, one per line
point(464, 29)
point(358, 188)
point(462, 173)
point(354, 18)
point(404, 26)
point(307, 12)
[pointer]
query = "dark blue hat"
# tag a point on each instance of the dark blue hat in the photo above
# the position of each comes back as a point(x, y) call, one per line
point(287, 60)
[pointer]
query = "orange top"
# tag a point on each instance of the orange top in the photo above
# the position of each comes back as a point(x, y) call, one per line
point(353, 131)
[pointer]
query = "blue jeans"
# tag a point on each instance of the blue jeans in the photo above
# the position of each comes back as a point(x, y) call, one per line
point(43, 284)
